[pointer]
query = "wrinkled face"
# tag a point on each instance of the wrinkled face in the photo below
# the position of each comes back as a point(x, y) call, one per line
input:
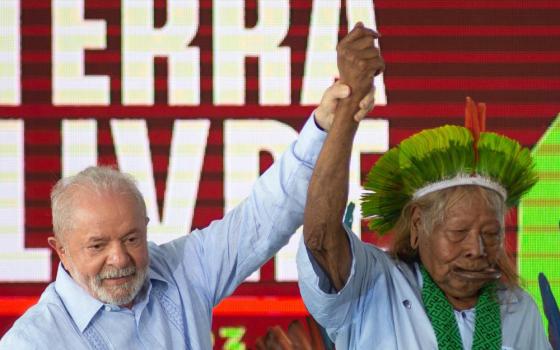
point(106, 249)
point(461, 253)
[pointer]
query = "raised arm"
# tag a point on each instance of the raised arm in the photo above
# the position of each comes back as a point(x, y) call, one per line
point(230, 249)
point(358, 62)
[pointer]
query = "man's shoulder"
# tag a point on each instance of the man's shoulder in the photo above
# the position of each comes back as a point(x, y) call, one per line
point(168, 249)
point(516, 300)
point(185, 249)
point(167, 255)
point(40, 322)
point(48, 307)
point(169, 261)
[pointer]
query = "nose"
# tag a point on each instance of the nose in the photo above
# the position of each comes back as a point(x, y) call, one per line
point(118, 256)
point(474, 246)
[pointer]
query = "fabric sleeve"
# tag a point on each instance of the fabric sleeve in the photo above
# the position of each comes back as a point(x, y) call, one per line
point(336, 310)
point(522, 326)
point(17, 339)
point(534, 325)
point(220, 256)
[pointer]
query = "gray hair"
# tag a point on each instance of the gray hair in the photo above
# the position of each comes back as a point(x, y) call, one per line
point(433, 207)
point(99, 179)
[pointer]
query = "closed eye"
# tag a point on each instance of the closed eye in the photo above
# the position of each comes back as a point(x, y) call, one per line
point(457, 235)
point(492, 237)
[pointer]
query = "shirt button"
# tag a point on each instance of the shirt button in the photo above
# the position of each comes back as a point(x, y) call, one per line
point(407, 303)
point(107, 308)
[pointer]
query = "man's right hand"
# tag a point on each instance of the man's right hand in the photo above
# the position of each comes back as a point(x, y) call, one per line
point(358, 60)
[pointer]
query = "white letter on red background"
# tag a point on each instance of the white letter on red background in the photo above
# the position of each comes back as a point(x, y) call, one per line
point(320, 59)
point(71, 34)
point(188, 146)
point(10, 46)
point(141, 42)
point(233, 42)
point(17, 263)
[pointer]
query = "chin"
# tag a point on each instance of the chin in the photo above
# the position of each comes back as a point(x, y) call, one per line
point(121, 299)
point(464, 289)
point(121, 294)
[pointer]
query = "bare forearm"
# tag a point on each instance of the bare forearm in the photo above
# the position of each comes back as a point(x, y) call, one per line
point(358, 61)
point(327, 195)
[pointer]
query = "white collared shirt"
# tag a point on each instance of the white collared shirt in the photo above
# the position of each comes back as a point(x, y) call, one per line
point(187, 276)
point(380, 307)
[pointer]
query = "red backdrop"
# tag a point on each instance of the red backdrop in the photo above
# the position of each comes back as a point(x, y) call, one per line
point(504, 53)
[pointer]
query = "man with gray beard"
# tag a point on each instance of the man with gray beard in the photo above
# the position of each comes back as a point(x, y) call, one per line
point(99, 221)
point(115, 290)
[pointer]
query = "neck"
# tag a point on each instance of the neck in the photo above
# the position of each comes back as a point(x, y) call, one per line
point(462, 303)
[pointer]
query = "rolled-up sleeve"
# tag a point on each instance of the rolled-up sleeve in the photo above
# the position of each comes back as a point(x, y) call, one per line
point(334, 310)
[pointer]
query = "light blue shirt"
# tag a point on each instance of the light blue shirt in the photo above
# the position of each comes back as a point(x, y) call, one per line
point(187, 276)
point(380, 307)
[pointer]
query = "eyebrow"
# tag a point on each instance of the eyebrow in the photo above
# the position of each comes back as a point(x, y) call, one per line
point(95, 239)
point(129, 233)
point(99, 238)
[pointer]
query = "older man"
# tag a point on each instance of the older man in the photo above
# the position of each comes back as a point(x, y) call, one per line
point(114, 290)
point(448, 283)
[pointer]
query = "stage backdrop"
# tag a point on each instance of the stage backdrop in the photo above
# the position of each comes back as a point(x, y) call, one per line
point(196, 98)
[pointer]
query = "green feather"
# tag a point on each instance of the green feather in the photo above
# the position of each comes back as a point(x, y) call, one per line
point(438, 154)
point(505, 161)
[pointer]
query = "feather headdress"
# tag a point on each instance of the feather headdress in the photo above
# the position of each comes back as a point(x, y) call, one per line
point(445, 157)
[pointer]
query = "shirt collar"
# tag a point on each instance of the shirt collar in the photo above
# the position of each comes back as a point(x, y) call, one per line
point(81, 306)
point(143, 297)
point(508, 296)
point(155, 275)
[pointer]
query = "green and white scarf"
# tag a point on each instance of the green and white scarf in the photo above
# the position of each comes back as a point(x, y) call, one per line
point(487, 326)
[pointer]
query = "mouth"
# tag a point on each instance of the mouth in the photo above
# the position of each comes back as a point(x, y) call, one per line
point(118, 280)
point(478, 274)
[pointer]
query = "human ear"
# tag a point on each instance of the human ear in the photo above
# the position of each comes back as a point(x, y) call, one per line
point(415, 224)
point(58, 247)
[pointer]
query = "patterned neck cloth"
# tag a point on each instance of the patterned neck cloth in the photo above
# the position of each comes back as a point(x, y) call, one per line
point(487, 326)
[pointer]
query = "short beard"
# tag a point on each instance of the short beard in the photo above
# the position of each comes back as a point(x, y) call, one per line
point(122, 294)
point(116, 295)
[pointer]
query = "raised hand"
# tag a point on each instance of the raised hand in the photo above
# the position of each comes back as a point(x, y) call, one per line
point(324, 235)
point(359, 60)
point(324, 114)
